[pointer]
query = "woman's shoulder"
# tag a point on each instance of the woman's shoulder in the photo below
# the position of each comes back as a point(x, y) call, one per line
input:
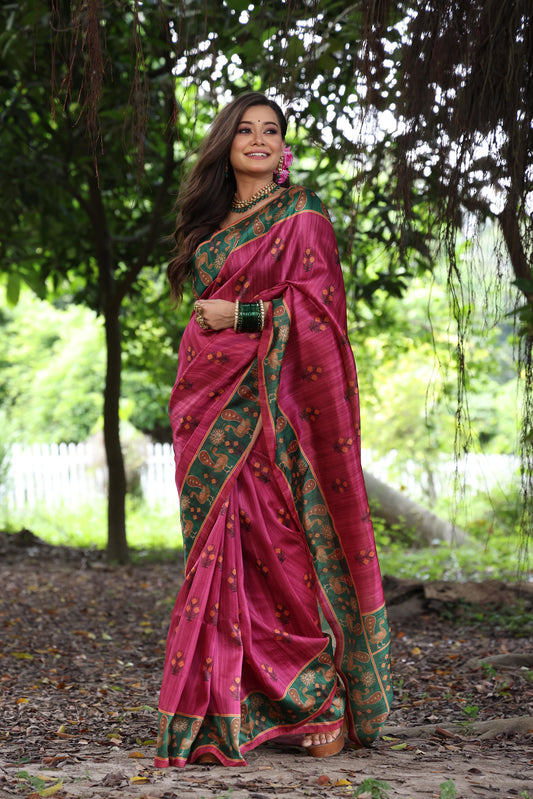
point(305, 199)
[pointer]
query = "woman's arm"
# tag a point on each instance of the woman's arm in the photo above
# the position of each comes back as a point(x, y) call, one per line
point(220, 314)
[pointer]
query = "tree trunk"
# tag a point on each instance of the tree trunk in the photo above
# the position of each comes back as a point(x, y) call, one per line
point(110, 300)
point(510, 227)
point(394, 508)
point(117, 547)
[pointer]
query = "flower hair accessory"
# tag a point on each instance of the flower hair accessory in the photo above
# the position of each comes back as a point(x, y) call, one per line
point(282, 172)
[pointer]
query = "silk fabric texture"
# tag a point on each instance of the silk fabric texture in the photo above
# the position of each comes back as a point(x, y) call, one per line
point(274, 512)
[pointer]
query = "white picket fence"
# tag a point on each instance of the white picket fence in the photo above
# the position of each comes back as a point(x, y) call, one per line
point(55, 474)
point(73, 474)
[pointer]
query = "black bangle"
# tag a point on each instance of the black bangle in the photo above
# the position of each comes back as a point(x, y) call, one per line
point(250, 317)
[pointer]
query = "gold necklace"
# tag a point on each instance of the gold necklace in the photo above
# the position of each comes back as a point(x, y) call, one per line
point(240, 206)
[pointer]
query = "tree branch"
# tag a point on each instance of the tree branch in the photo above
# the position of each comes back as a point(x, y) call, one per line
point(510, 226)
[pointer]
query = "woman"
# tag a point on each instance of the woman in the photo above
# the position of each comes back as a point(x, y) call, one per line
point(274, 513)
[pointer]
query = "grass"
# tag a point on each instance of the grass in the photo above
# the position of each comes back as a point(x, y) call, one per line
point(496, 545)
point(149, 530)
point(153, 532)
point(498, 558)
point(372, 788)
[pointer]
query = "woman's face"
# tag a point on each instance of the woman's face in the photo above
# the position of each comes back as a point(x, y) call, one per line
point(257, 144)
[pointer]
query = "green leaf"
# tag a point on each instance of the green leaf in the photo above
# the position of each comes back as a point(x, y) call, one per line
point(524, 284)
point(447, 790)
point(13, 288)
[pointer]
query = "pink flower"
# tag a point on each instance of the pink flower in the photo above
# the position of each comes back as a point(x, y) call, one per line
point(280, 176)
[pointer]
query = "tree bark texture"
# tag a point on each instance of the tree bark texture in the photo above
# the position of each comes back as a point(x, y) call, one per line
point(117, 547)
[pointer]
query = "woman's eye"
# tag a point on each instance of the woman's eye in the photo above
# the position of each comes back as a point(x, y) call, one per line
point(249, 130)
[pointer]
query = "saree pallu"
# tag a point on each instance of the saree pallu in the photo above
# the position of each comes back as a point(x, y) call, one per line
point(274, 513)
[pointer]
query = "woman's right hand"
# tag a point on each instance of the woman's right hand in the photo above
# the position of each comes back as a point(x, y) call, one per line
point(217, 314)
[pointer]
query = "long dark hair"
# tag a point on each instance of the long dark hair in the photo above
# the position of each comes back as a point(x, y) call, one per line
point(205, 199)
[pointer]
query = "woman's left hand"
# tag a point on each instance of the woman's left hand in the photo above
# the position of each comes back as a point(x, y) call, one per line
point(216, 314)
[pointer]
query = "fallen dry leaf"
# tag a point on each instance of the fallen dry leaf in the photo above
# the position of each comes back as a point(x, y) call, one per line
point(51, 790)
point(82, 689)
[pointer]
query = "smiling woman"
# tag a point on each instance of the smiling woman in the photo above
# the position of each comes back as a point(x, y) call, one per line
point(256, 150)
point(274, 514)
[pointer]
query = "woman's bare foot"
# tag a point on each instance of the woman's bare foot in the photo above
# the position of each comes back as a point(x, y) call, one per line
point(324, 744)
point(319, 738)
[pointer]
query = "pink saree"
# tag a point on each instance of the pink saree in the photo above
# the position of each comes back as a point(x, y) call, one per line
point(274, 513)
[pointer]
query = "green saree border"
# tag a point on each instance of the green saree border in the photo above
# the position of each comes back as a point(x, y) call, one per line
point(210, 256)
point(363, 640)
point(215, 465)
point(261, 715)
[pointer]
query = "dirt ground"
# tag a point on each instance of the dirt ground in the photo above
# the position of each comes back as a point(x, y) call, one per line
point(81, 655)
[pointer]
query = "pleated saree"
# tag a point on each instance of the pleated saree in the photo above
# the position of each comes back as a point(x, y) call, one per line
point(274, 512)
